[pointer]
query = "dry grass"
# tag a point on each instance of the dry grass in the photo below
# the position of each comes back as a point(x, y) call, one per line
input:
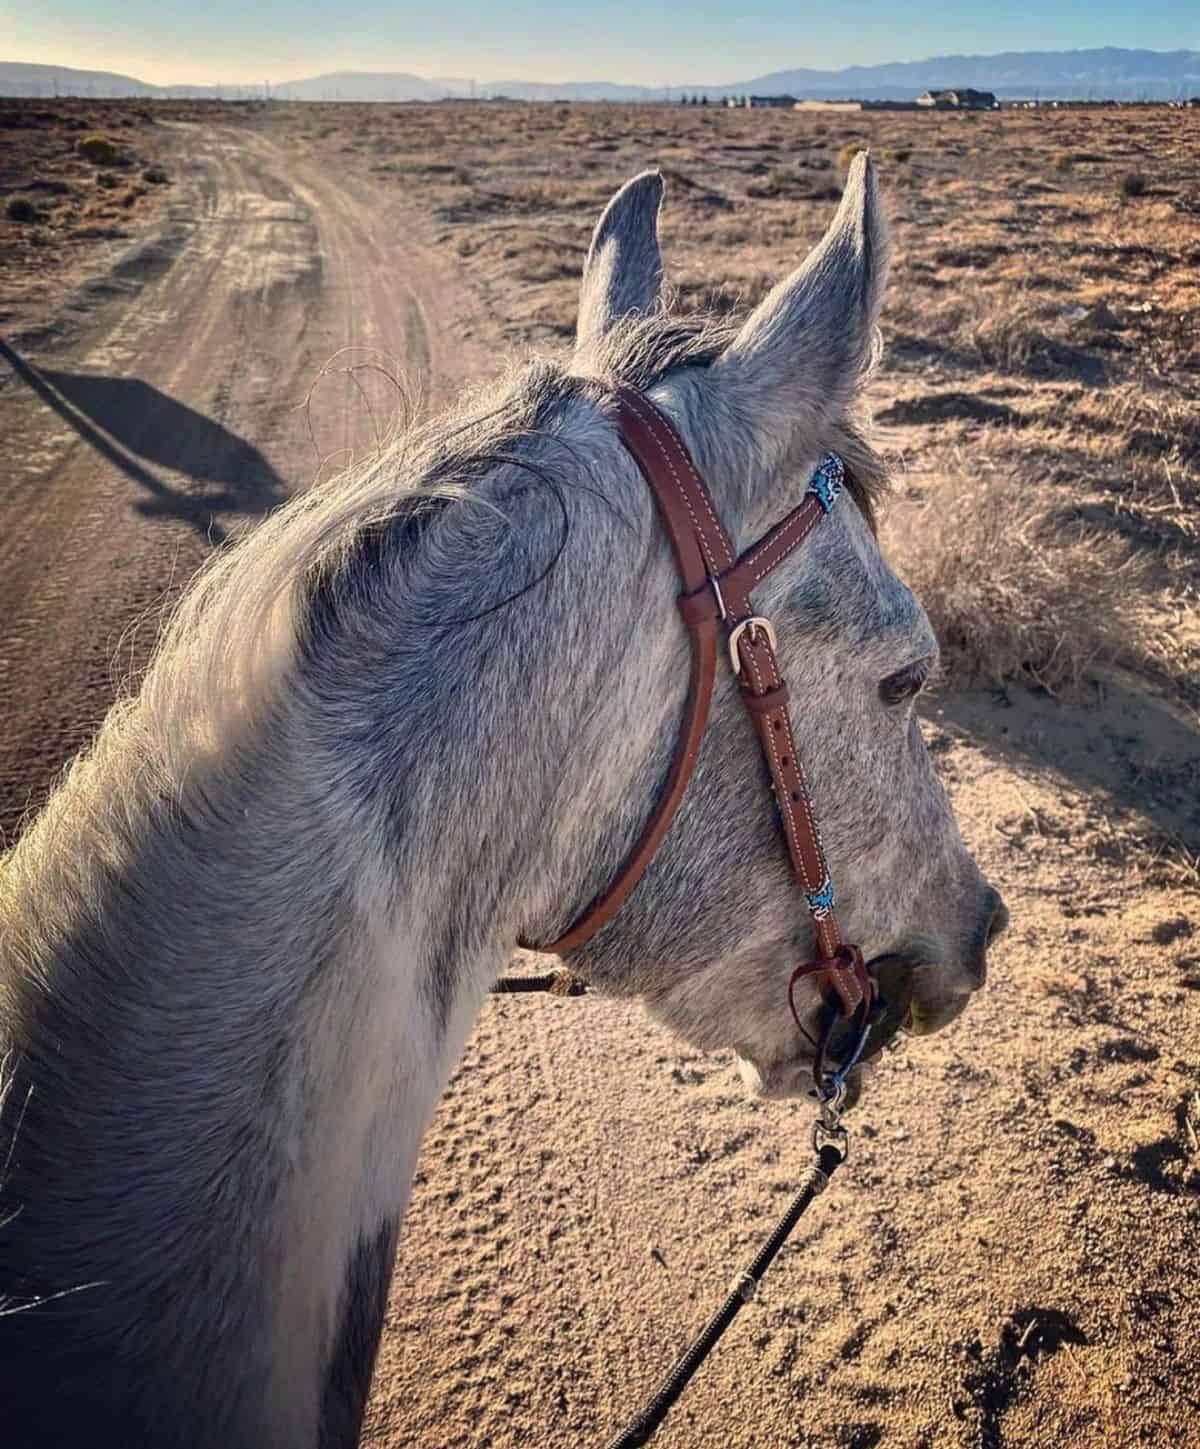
point(1004, 580)
point(56, 163)
point(1041, 378)
point(99, 150)
point(1040, 392)
point(847, 154)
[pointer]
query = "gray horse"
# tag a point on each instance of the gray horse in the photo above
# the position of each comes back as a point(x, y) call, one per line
point(416, 716)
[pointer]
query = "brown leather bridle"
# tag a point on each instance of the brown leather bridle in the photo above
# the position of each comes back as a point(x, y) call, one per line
point(717, 589)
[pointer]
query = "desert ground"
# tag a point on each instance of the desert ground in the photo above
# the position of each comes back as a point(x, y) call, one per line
point(1010, 1256)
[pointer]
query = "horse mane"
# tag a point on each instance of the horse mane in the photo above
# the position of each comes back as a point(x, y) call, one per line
point(225, 654)
point(250, 604)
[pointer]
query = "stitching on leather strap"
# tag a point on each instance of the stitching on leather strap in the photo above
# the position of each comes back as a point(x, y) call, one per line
point(684, 505)
point(826, 924)
point(648, 422)
point(760, 704)
point(722, 538)
point(652, 422)
point(782, 793)
point(786, 545)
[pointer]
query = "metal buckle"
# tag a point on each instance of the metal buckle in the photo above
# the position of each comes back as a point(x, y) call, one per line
point(756, 621)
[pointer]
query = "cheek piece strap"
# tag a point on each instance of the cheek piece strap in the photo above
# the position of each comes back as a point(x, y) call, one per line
point(716, 599)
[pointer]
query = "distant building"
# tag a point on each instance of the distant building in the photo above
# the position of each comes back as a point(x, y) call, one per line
point(759, 103)
point(856, 105)
point(961, 99)
point(829, 105)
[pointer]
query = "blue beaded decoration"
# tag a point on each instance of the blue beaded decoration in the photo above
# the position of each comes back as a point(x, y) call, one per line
point(828, 481)
point(820, 901)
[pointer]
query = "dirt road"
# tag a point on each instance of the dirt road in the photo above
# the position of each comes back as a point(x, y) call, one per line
point(1009, 1257)
point(163, 407)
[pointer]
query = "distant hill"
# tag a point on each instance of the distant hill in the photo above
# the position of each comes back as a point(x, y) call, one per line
point(362, 85)
point(1108, 74)
point(47, 81)
point(59, 80)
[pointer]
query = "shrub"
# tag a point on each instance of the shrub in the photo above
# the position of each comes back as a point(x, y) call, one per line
point(1064, 161)
point(847, 154)
point(106, 180)
point(155, 175)
point(1133, 183)
point(99, 150)
point(1012, 592)
point(900, 153)
point(20, 208)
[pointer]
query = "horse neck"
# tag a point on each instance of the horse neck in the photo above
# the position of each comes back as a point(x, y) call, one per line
point(240, 989)
point(224, 1043)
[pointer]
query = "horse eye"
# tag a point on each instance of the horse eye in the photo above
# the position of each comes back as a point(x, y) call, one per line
point(905, 683)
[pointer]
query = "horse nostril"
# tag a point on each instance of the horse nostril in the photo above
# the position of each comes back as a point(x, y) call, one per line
point(998, 921)
point(992, 921)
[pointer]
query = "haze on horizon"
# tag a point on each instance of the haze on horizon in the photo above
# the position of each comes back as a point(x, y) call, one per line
point(679, 42)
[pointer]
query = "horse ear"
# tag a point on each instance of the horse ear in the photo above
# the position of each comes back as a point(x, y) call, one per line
point(795, 364)
point(623, 272)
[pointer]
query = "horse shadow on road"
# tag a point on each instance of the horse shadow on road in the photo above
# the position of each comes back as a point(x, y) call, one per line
point(132, 425)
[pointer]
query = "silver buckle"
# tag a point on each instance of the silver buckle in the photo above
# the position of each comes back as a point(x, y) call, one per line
point(756, 621)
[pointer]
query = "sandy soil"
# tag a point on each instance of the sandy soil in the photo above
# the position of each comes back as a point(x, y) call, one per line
point(1010, 1256)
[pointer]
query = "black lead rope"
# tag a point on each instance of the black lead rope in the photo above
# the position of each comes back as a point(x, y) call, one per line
point(643, 1428)
point(557, 983)
point(830, 1155)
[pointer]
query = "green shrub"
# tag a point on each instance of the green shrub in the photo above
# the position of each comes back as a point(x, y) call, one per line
point(900, 153)
point(106, 180)
point(1133, 183)
point(155, 175)
point(99, 150)
point(20, 208)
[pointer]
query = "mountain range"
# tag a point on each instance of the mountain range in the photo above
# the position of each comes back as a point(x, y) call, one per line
point(1108, 73)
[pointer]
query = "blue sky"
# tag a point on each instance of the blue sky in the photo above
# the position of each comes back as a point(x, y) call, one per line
point(673, 42)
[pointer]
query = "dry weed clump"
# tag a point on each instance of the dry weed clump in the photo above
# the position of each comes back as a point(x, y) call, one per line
point(1012, 592)
point(1018, 342)
point(72, 198)
point(847, 154)
point(99, 150)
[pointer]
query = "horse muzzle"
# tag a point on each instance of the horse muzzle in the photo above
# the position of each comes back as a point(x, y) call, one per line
point(890, 1012)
